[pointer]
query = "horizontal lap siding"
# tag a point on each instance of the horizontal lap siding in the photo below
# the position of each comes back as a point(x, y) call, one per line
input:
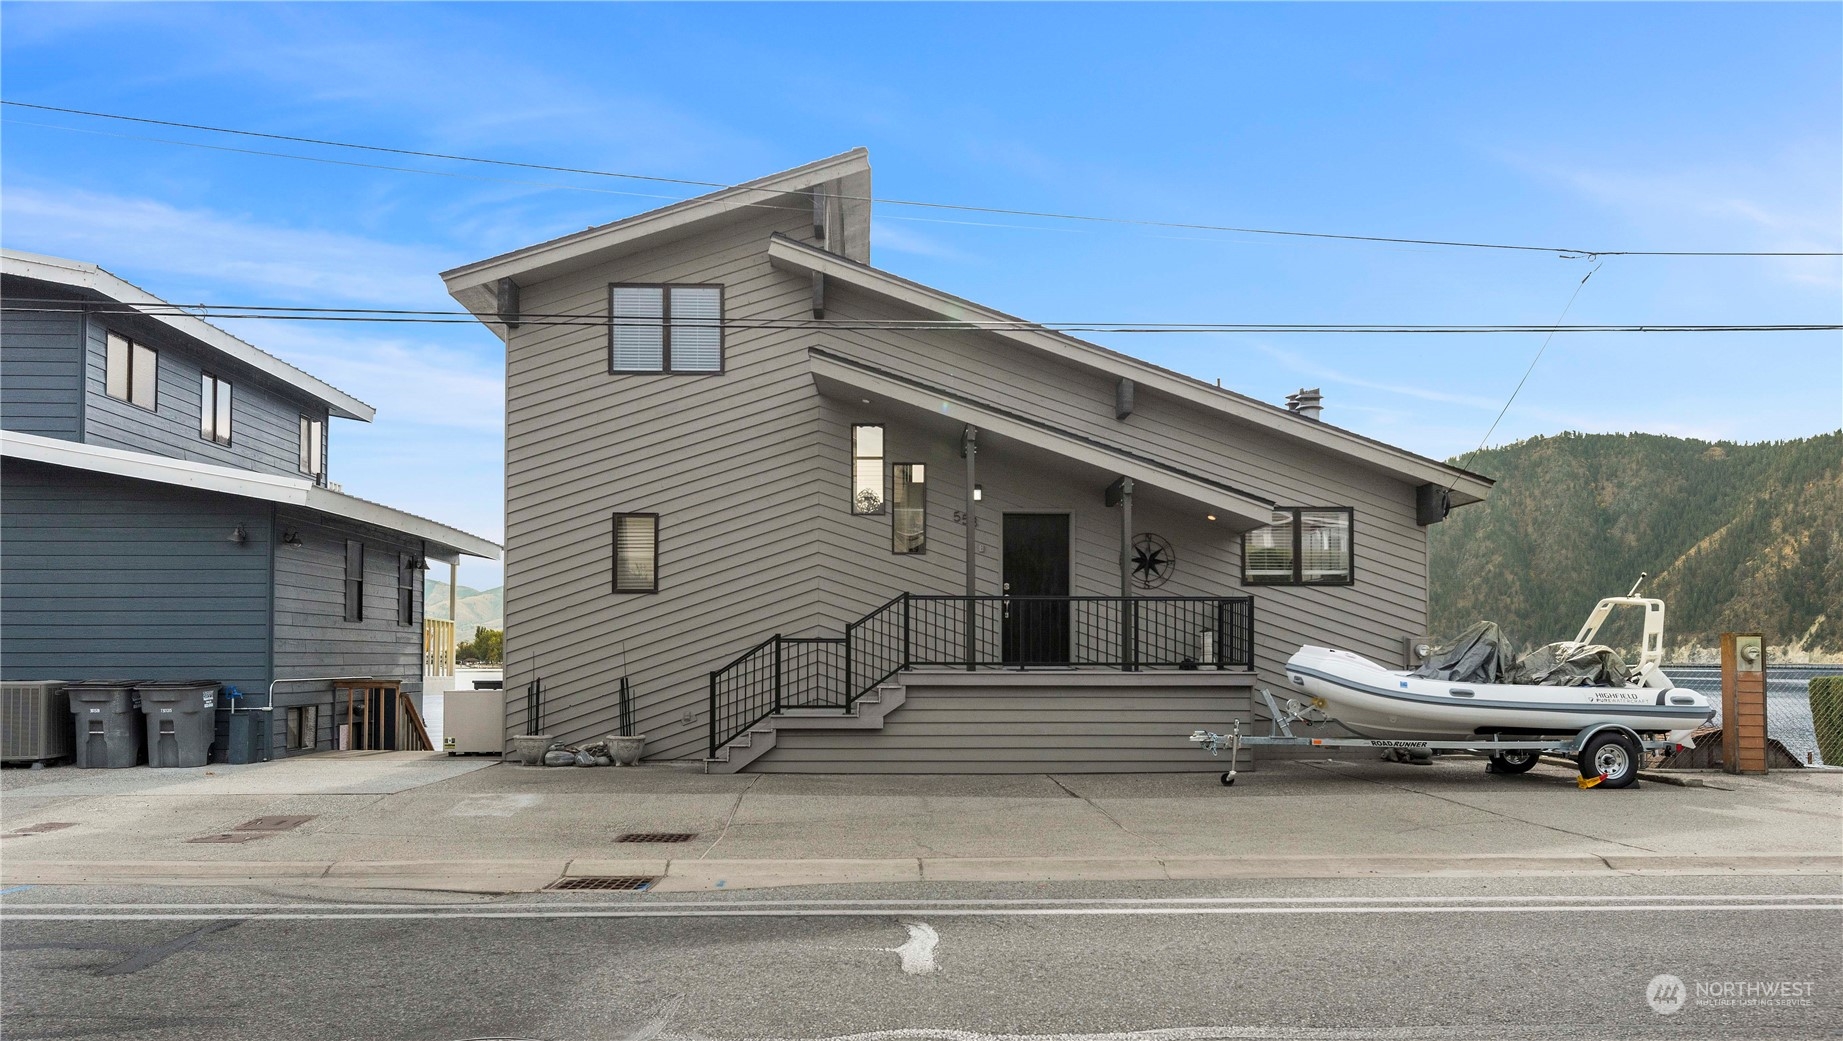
point(997, 728)
point(265, 419)
point(41, 370)
point(727, 461)
point(112, 578)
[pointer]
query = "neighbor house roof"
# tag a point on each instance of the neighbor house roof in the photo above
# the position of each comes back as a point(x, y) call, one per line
point(291, 491)
point(1467, 487)
point(94, 281)
point(473, 284)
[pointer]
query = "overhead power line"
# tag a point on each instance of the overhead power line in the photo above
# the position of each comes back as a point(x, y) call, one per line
point(16, 304)
point(1566, 251)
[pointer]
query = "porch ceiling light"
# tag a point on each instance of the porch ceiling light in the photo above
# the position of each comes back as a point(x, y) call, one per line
point(1209, 516)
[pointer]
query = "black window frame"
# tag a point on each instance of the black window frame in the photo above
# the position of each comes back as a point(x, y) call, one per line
point(355, 584)
point(919, 489)
point(882, 457)
point(301, 728)
point(312, 448)
point(208, 410)
point(614, 578)
point(665, 336)
point(153, 376)
point(1298, 578)
point(406, 590)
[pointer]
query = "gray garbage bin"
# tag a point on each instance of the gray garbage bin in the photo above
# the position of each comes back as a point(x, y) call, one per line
point(181, 718)
point(109, 725)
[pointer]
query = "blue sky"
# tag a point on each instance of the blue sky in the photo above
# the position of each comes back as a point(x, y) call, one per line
point(1596, 126)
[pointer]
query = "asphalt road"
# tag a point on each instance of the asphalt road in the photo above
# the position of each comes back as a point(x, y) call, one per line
point(1394, 958)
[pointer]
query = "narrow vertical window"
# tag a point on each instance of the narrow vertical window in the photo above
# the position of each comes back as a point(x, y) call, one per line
point(695, 332)
point(355, 580)
point(639, 333)
point(909, 508)
point(406, 590)
point(313, 438)
point(867, 469)
point(131, 372)
point(214, 409)
point(636, 553)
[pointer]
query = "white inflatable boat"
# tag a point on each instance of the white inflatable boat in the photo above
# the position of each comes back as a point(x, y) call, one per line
point(1373, 701)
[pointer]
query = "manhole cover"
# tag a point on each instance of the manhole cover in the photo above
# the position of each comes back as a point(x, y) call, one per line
point(233, 836)
point(275, 823)
point(635, 882)
point(658, 836)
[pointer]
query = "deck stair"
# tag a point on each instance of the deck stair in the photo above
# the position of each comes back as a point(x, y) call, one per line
point(866, 713)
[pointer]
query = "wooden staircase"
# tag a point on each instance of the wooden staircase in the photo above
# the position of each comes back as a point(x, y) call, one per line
point(866, 713)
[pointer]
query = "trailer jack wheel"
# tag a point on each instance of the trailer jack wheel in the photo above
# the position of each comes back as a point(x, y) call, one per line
point(1521, 761)
point(1227, 779)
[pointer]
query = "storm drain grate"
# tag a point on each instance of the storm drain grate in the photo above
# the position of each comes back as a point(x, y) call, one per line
point(658, 836)
point(275, 823)
point(630, 882)
point(233, 836)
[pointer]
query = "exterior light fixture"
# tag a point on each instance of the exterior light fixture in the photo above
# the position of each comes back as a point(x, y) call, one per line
point(978, 492)
point(240, 536)
point(1209, 516)
point(292, 538)
point(420, 561)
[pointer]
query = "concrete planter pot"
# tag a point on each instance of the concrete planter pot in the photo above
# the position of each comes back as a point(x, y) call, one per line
point(626, 750)
point(528, 749)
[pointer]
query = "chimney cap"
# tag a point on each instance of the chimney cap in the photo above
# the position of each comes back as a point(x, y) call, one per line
point(1308, 402)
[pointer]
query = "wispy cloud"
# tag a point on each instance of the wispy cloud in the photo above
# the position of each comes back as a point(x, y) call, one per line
point(181, 248)
point(901, 239)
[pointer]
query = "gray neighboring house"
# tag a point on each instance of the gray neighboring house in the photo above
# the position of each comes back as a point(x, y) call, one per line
point(817, 517)
point(166, 514)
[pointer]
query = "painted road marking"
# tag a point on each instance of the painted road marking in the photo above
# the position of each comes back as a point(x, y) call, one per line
point(931, 902)
point(918, 953)
point(964, 912)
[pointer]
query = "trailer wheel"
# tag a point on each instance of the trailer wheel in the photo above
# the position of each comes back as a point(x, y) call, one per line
point(1227, 779)
point(1521, 761)
point(1612, 755)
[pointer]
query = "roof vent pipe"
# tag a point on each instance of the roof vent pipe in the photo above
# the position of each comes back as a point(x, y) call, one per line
point(1308, 403)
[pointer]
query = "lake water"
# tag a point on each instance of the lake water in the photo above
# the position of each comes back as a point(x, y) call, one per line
point(1788, 700)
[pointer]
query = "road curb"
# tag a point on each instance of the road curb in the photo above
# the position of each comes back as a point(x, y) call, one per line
point(511, 876)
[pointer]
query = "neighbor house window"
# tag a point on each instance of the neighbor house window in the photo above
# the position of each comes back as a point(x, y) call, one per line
point(214, 409)
point(355, 580)
point(867, 468)
point(303, 726)
point(665, 328)
point(1303, 546)
point(406, 590)
point(909, 508)
point(132, 371)
point(636, 552)
point(313, 440)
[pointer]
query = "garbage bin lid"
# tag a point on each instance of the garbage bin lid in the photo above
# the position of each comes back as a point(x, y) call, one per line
point(106, 684)
point(176, 684)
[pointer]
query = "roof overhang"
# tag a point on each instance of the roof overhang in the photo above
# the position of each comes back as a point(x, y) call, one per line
point(841, 377)
point(92, 280)
point(290, 491)
point(475, 285)
point(1466, 487)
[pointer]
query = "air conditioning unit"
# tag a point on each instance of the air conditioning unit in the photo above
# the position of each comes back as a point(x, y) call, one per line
point(35, 721)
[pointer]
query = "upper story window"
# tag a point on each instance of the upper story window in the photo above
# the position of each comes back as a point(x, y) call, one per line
point(355, 581)
point(132, 371)
point(1302, 547)
point(867, 469)
point(909, 508)
point(406, 589)
point(214, 409)
point(659, 328)
point(313, 442)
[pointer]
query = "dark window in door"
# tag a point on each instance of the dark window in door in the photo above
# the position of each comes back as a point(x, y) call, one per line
point(1036, 566)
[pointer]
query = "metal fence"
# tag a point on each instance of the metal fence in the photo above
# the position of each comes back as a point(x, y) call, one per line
point(1788, 701)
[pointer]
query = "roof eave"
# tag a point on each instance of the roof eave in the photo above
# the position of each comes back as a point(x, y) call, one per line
point(1467, 487)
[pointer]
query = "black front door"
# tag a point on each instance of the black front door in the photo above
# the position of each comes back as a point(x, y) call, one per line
point(1036, 564)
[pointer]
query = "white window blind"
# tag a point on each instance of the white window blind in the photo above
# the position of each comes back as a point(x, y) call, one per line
point(638, 316)
point(1324, 546)
point(636, 553)
point(697, 329)
point(867, 469)
point(1300, 547)
point(909, 508)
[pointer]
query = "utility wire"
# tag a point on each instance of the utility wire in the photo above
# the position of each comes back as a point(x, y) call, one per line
point(961, 207)
point(42, 305)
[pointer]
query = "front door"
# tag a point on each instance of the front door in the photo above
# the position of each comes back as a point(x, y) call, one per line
point(1036, 564)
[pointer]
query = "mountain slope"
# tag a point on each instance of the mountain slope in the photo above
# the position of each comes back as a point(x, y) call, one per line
point(477, 608)
point(1735, 537)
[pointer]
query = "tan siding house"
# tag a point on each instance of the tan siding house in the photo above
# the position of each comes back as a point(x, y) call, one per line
point(738, 477)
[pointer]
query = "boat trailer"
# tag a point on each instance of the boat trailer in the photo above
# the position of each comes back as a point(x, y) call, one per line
point(1607, 753)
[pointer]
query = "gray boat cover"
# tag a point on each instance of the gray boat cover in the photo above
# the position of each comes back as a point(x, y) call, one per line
point(1482, 654)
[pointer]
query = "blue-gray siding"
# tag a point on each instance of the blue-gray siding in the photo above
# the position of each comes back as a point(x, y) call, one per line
point(41, 372)
point(265, 419)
